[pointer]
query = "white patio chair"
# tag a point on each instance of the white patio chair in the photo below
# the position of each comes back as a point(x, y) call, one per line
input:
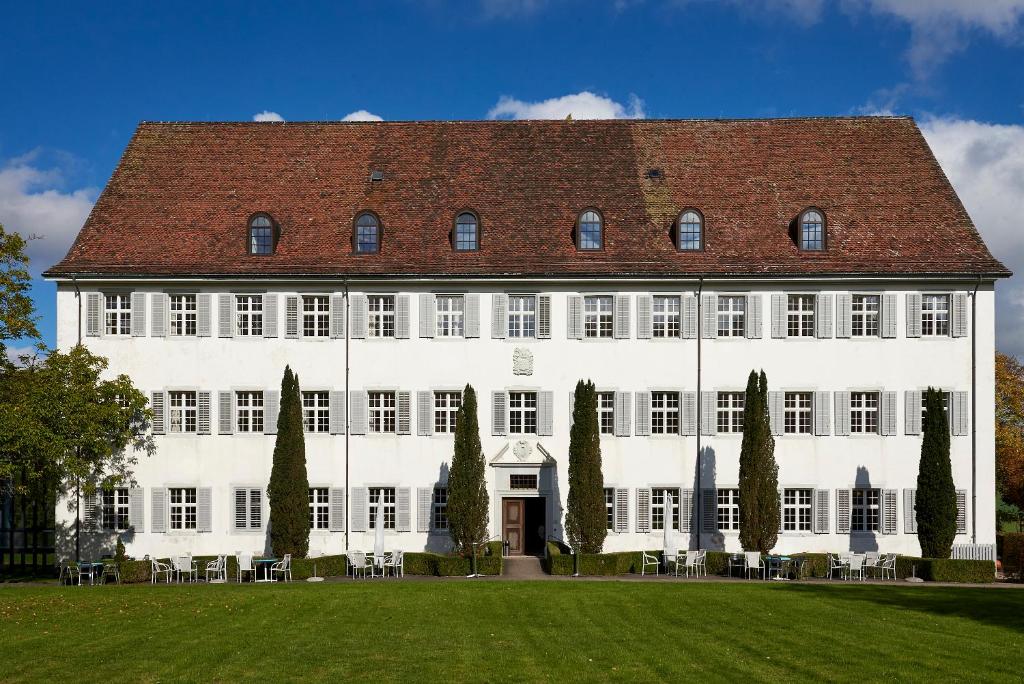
point(218, 568)
point(671, 561)
point(753, 562)
point(157, 568)
point(245, 566)
point(284, 567)
point(835, 565)
point(690, 562)
point(702, 562)
point(184, 565)
point(395, 563)
point(110, 569)
point(856, 567)
point(872, 559)
point(888, 566)
point(65, 570)
point(358, 563)
point(649, 561)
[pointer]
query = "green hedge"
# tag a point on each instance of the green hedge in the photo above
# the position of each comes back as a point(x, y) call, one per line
point(1011, 552)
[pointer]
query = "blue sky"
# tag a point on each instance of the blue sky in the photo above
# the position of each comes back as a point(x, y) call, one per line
point(77, 79)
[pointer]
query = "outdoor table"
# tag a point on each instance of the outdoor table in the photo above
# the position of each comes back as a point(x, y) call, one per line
point(780, 563)
point(92, 567)
point(266, 563)
point(737, 561)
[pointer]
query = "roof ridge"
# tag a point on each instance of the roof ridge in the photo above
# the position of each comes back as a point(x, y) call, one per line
point(622, 121)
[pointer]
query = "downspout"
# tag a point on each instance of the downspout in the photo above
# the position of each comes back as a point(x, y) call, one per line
point(78, 296)
point(974, 413)
point(700, 470)
point(78, 483)
point(348, 412)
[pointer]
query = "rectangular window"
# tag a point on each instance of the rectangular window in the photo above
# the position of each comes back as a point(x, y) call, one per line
point(319, 508)
point(864, 311)
point(800, 316)
point(664, 413)
point(864, 412)
point(249, 315)
point(609, 506)
point(183, 508)
point(728, 509)
point(664, 506)
point(945, 404)
point(519, 481)
point(796, 510)
point(522, 413)
point(446, 407)
point(182, 411)
point(450, 314)
point(316, 411)
point(798, 413)
point(249, 411)
point(440, 508)
point(381, 321)
point(382, 412)
point(935, 315)
point(864, 513)
point(730, 411)
point(386, 496)
point(248, 509)
point(665, 316)
point(731, 312)
point(117, 314)
point(522, 316)
point(114, 509)
point(597, 316)
point(316, 316)
point(183, 315)
point(606, 412)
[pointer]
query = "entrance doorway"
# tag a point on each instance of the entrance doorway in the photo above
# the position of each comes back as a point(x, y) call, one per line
point(524, 525)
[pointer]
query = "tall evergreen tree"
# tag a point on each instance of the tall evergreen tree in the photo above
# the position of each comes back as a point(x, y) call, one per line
point(289, 484)
point(936, 494)
point(467, 486)
point(759, 473)
point(586, 519)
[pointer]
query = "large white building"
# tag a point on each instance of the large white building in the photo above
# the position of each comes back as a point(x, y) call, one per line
point(390, 264)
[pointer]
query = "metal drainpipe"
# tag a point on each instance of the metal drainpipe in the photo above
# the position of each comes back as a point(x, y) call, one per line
point(700, 470)
point(78, 482)
point(348, 413)
point(78, 296)
point(974, 413)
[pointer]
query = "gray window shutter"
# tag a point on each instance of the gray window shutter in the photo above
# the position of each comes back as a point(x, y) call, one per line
point(428, 314)
point(402, 317)
point(336, 401)
point(844, 315)
point(620, 318)
point(822, 411)
point(957, 316)
point(779, 328)
point(545, 411)
point(913, 314)
point(842, 400)
point(225, 413)
point(138, 314)
point(909, 511)
point(158, 327)
point(961, 511)
point(272, 407)
point(776, 408)
point(94, 314)
point(270, 315)
point(708, 413)
point(90, 505)
point(336, 509)
point(338, 316)
point(823, 316)
point(471, 316)
point(688, 305)
point(499, 316)
point(643, 414)
point(424, 508)
point(137, 509)
point(644, 320)
point(888, 315)
point(424, 413)
point(574, 317)
point(203, 412)
point(752, 318)
point(688, 418)
point(158, 509)
point(499, 418)
point(623, 413)
point(360, 418)
point(159, 404)
point(543, 317)
point(889, 519)
point(821, 510)
point(204, 314)
point(360, 520)
point(358, 314)
point(709, 316)
point(622, 510)
point(643, 510)
point(958, 413)
point(291, 317)
point(404, 401)
point(912, 412)
point(225, 315)
point(686, 510)
point(239, 508)
point(843, 511)
point(887, 417)
point(403, 522)
point(709, 510)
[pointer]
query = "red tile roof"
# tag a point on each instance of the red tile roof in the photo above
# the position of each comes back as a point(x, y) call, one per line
point(180, 198)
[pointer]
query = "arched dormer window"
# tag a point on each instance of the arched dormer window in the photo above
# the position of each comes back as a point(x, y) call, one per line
point(811, 230)
point(690, 231)
point(467, 232)
point(589, 231)
point(367, 235)
point(261, 234)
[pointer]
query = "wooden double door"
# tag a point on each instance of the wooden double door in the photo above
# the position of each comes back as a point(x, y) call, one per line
point(523, 524)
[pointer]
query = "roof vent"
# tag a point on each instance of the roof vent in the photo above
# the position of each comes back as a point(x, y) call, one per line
point(655, 174)
point(376, 175)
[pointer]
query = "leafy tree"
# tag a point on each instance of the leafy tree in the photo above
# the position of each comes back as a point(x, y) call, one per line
point(467, 486)
point(1010, 429)
point(936, 494)
point(759, 473)
point(17, 317)
point(586, 520)
point(289, 484)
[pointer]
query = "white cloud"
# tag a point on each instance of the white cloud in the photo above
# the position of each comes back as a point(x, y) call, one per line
point(34, 204)
point(266, 115)
point(362, 115)
point(582, 105)
point(15, 352)
point(985, 163)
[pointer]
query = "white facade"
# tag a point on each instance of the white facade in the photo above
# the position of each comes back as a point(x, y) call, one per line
point(826, 467)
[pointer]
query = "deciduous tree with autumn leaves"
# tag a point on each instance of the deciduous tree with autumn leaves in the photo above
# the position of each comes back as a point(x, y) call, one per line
point(1010, 430)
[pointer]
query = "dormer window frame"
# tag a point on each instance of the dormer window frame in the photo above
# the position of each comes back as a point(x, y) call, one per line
point(355, 233)
point(579, 229)
point(800, 243)
point(679, 229)
point(455, 230)
point(274, 233)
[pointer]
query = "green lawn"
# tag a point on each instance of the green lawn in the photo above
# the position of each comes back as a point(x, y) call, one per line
point(495, 630)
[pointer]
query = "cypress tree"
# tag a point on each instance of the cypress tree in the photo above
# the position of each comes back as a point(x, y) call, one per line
point(289, 484)
point(467, 486)
point(759, 473)
point(586, 518)
point(936, 494)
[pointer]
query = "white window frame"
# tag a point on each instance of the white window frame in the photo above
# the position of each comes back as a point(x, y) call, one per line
point(660, 508)
point(797, 509)
point(945, 404)
point(866, 316)
point(732, 313)
point(865, 509)
point(319, 509)
point(182, 411)
point(316, 316)
point(450, 315)
point(249, 315)
point(183, 310)
point(316, 411)
point(380, 315)
point(800, 315)
point(798, 413)
point(598, 316)
point(606, 413)
point(727, 509)
point(183, 503)
point(522, 411)
point(936, 311)
point(665, 412)
point(446, 406)
point(390, 507)
point(249, 411)
point(729, 408)
point(114, 508)
point(439, 508)
point(522, 316)
point(382, 413)
point(117, 314)
point(666, 316)
point(864, 407)
point(609, 507)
